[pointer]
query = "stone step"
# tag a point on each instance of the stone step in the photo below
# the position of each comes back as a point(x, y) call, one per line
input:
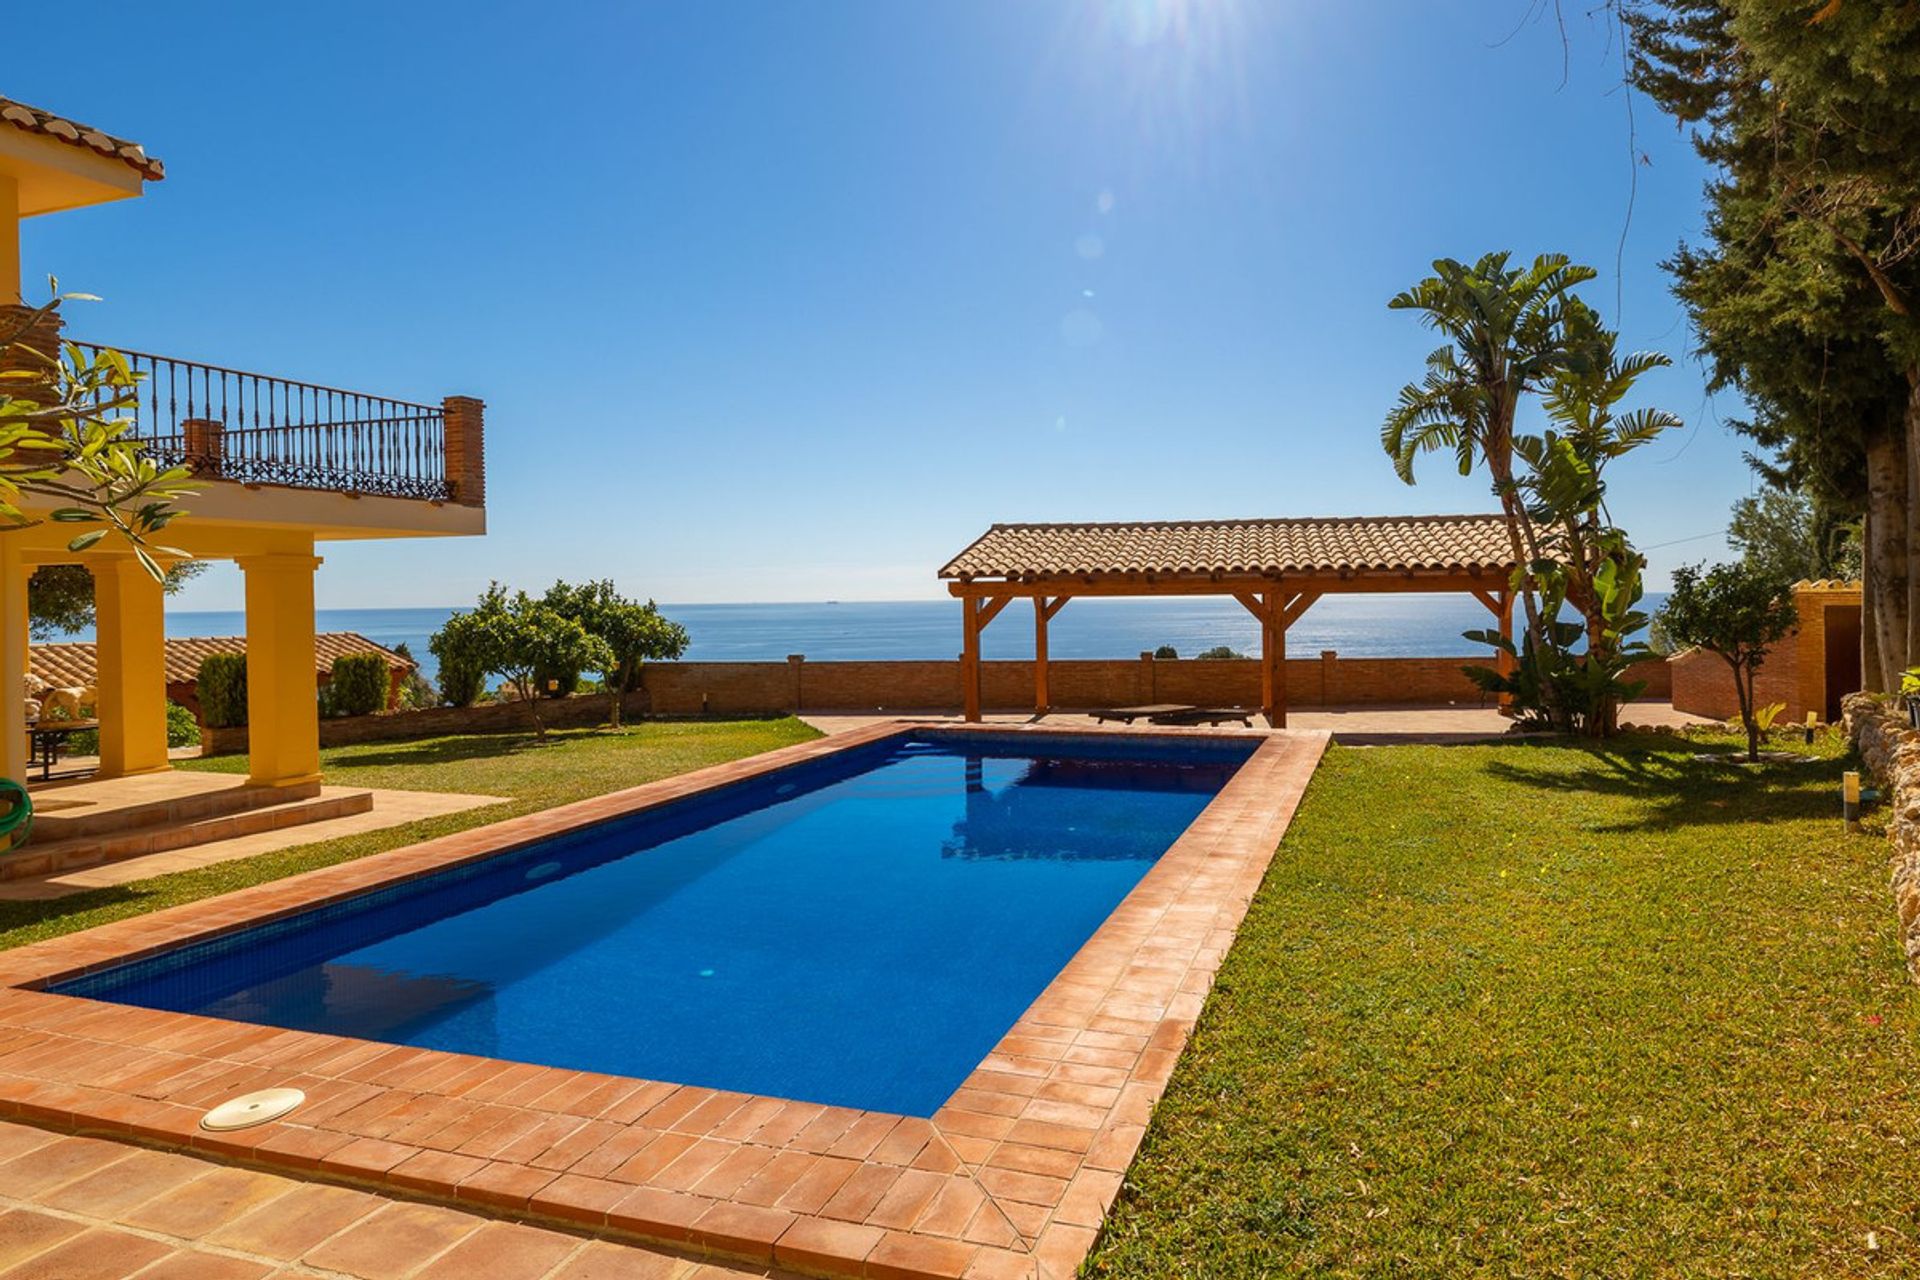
point(45, 855)
point(51, 821)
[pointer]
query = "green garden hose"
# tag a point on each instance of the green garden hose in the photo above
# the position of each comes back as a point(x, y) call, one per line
point(18, 820)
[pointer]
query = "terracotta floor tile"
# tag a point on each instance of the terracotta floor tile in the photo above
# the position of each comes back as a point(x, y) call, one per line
point(601, 1261)
point(219, 1195)
point(97, 1254)
point(392, 1241)
point(289, 1225)
point(24, 1233)
point(191, 1264)
point(905, 1257)
point(860, 1193)
point(124, 1184)
point(58, 1162)
point(502, 1251)
point(824, 1245)
point(817, 1185)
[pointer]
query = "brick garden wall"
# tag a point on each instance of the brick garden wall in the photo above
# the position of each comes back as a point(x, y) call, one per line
point(685, 688)
point(761, 688)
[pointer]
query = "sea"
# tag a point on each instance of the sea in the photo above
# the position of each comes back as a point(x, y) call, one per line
point(1360, 626)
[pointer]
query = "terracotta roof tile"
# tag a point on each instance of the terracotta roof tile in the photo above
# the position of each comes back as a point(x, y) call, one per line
point(35, 120)
point(73, 665)
point(1208, 547)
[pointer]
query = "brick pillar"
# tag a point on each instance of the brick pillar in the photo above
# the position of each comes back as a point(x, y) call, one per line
point(794, 663)
point(206, 445)
point(466, 449)
point(1149, 685)
point(1327, 658)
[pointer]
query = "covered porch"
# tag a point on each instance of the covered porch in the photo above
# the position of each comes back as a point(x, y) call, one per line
point(1277, 569)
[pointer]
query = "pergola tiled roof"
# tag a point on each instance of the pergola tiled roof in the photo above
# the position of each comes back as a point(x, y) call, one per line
point(1215, 548)
point(1276, 568)
point(35, 120)
point(74, 664)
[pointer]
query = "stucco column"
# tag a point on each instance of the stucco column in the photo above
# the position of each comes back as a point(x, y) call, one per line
point(13, 659)
point(131, 672)
point(283, 712)
point(9, 240)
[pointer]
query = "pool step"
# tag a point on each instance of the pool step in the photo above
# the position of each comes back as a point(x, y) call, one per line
point(241, 811)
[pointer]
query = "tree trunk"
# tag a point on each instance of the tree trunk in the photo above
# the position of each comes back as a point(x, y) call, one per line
point(1886, 551)
point(618, 688)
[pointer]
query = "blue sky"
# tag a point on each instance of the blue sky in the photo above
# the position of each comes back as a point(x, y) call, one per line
point(789, 301)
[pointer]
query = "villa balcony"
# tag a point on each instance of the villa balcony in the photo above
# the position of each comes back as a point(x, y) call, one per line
point(254, 430)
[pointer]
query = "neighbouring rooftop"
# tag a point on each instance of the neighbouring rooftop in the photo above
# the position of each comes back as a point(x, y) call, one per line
point(1309, 545)
point(74, 664)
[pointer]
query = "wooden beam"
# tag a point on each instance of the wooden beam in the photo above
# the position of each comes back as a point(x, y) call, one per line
point(1300, 603)
point(1041, 695)
point(1055, 605)
point(970, 658)
point(991, 609)
point(1488, 599)
point(1266, 660)
point(1503, 661)
point(1255, 605)
point(1325, 584)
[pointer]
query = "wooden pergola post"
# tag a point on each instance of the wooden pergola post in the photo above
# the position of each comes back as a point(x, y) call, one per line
point(1043, 611)
point(1276, 662)
point(976, 611)
point(970, 658)
point(1501, 605)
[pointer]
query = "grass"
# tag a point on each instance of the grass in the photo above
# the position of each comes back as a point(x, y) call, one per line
point(1546, 1011)
point(571, 765)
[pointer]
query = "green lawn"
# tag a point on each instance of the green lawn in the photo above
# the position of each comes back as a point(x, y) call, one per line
point(1540, 1011)
point(571, 765)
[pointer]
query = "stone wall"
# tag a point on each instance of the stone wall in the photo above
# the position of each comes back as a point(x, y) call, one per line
point(1890, 752)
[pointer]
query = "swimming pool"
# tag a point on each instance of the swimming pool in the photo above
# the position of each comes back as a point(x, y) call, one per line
point(858, 930)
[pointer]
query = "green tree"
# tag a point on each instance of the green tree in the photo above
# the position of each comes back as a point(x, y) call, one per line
point(416, 692)
point(515, 637)
point(1517, 333)
point(1510, 331)
point(60, 596)
point(67, 444)
point(1784, 534)
point(1736, 611)
point(458, 646)
point(1806, 287)
point(632, 633)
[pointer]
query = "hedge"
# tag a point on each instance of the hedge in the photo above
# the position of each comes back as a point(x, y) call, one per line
point(223, 690)
point(358, 686)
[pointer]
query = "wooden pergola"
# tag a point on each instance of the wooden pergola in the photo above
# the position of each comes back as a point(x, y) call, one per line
point(1277, 569)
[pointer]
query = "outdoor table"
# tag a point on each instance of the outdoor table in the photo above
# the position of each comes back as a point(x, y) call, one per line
point(44, 740)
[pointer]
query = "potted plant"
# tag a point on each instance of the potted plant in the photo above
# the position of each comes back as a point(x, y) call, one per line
point(1910, 691)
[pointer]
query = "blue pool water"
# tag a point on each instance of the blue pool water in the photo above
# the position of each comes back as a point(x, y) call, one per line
point(859, 930)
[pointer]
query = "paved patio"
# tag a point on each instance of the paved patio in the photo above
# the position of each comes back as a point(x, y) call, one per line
point(85, 1208)
point(1372, 725)
point(390, 809)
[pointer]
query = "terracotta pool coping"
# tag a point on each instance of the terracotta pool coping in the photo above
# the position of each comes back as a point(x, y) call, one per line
point(1010, 1178)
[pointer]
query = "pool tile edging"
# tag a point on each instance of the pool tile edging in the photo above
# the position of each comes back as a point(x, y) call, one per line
point(1011, 1177)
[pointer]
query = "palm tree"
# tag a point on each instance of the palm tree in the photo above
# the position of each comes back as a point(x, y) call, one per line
point(1509, 331)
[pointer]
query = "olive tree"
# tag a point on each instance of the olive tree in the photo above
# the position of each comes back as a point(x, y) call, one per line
point(631, 632)
point(67, 444)
point(515, 637)
point(1736, 611)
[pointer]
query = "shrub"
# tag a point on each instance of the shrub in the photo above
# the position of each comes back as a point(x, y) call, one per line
point(223, 690)
point(358, 685)
point(416, 691)
point(182, 729)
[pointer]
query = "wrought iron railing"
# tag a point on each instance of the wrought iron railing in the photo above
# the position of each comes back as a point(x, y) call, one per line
point(254, 429)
